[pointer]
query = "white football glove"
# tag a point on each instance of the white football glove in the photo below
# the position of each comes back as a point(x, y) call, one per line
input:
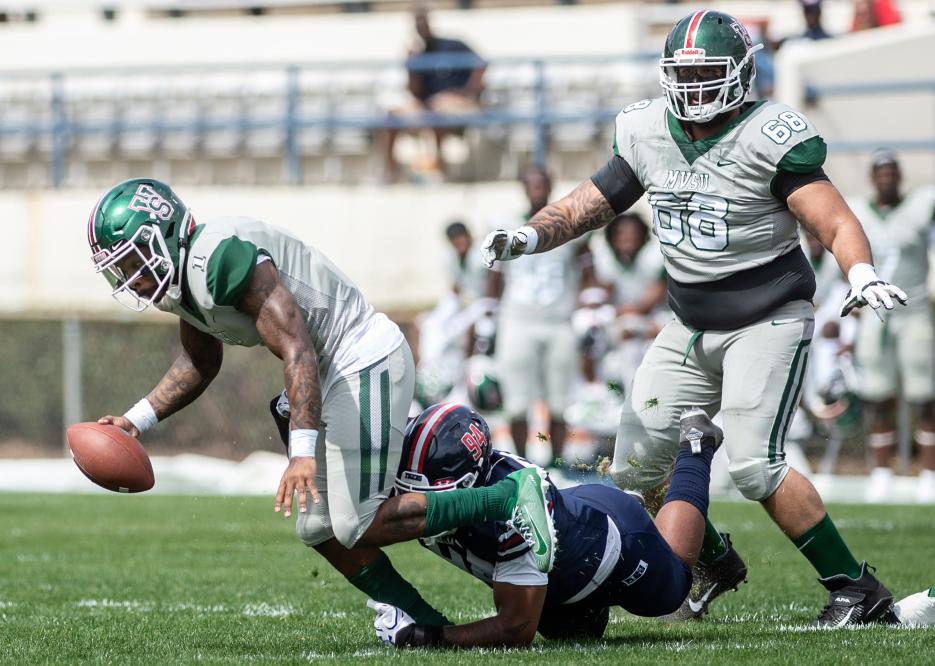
point(868, 289)
point(390, 621)
point(504, 245)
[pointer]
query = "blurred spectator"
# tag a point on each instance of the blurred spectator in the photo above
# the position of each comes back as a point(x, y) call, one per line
point(765, 80)
point(466, 268)
point(814, 30)
point(811, 12)
point(637, 278)
point(446, 334)
point(536, 349)
point(637, 283)
point(436, 87)
point(869, 14)
point(896, 356)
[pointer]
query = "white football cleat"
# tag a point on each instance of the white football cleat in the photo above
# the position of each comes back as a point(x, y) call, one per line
point(880, 485)
point(925, 491)
point(917, 610)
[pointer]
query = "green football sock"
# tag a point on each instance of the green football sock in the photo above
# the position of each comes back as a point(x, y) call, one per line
point(381, 582)
point(823, 546)
point(456, 508)
point(713, 545)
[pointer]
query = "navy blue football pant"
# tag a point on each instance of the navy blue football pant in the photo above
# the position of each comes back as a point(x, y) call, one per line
point(648, 580)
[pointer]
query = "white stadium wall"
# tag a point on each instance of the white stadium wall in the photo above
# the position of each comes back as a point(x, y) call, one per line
point(390, 239)
point(887, 55)
point(72, 35)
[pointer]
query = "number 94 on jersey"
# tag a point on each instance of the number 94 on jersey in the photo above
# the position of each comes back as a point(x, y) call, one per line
point(701, 217)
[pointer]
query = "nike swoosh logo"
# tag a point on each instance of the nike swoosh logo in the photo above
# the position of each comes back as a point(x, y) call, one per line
point(806, 543)
point(722, 163)
point(696, 606)
point(780, 322)
point(846, 617)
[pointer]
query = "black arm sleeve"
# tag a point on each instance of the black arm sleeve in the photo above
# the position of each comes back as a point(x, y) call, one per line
point(619, 185)
point(786, 182)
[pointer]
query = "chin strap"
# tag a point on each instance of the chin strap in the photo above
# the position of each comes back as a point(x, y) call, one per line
point(175, 286)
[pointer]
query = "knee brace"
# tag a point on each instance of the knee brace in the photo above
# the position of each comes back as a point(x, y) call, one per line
point(881, 440)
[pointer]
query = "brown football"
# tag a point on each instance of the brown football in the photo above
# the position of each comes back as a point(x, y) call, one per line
point(110, 457)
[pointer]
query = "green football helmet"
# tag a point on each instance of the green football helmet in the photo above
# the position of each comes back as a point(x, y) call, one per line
point(707, 66)
point(483, 383)
point(137, 231)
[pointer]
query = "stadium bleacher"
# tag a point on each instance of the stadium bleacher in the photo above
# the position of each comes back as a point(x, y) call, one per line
point(308, 107)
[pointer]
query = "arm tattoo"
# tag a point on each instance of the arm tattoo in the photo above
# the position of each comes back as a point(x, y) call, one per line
point(280, 323)
point(583, 210)
point(190, 374)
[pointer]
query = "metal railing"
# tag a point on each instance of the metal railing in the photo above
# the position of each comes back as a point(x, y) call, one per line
point(57, 128)
point(815, 93)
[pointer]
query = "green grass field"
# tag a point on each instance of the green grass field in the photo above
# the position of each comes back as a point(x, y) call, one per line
point(164, 580)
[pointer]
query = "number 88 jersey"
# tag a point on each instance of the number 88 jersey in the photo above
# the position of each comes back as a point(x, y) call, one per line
point(715, 211)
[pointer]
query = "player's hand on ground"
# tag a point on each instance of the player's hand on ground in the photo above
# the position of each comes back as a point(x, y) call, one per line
point(393, 625)
point(504, 245)
point(121, 422)
point(298, 477)
point(868, 289)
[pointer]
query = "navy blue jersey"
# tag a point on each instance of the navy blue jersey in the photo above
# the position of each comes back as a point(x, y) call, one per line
point(609, 551)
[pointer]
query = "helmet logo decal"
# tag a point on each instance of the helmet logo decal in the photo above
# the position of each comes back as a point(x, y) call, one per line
point(147, 200)
point(474, 441)
point(741, 31)
point(690, 54)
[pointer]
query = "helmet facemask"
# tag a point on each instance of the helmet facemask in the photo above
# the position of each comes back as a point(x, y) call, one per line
point(155, 263)
point(138, 233)
point(408, 481)
point(700, 101)
point(413, 482)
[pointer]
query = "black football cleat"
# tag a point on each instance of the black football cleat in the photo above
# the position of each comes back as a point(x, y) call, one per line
point(709, 581)
point(697, 431)
point(863, 600)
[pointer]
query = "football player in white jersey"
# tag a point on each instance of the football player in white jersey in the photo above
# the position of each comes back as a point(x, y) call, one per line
point(897, 355)
point(536, 347)
point(727, 180)
point(348, 372)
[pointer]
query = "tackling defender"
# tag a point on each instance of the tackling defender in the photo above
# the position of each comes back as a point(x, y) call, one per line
point(612, 554)
point(239, 281)
point(727, 179)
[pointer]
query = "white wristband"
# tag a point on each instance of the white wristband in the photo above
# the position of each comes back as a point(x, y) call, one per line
point(532, 238)
point(860, 275)
point(142, 416)
point(302, 443)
